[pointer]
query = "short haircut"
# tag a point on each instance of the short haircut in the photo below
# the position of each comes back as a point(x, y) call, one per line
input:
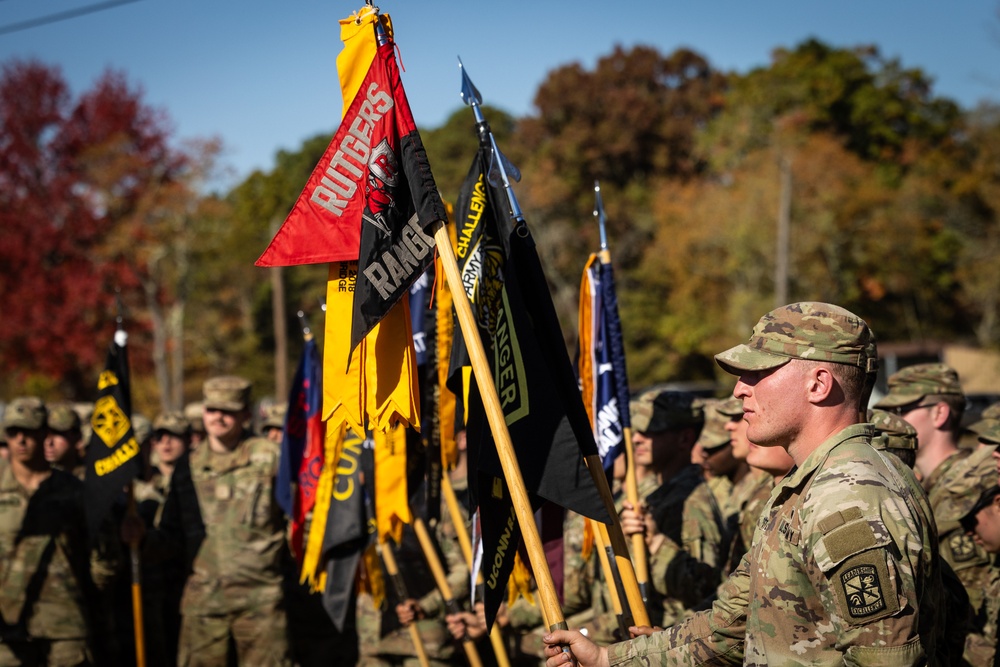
point(956, 408)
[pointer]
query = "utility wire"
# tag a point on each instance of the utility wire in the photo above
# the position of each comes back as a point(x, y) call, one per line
point(61, 16)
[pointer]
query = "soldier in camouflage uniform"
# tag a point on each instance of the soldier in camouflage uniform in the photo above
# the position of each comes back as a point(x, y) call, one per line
point(48, 573)
point(898, 440)
point(194, 413)
point(685, 536)
point(753, 492)
point(62, 444)
point(392, 642)
point(930, 398)
point(163, 574)
point(974, 502)
point(234, 594)
point(273, 425)
point(836, 571)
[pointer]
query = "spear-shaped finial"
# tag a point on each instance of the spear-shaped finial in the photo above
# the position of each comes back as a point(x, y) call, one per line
point(501, 171)
point(599, 214)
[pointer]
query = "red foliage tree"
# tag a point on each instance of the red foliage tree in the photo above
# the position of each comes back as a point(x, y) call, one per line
point(71, 173)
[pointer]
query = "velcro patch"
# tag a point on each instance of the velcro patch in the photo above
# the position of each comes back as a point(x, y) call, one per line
point(864, 588)
point(848, 539)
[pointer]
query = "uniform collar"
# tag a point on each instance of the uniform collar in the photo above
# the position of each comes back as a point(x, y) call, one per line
point(799, 474)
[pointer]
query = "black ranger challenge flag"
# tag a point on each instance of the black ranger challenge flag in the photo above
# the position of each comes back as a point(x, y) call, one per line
point(113, 452)
point(533, 377)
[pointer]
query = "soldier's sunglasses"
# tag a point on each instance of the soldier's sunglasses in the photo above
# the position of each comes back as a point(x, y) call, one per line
point(901, 410)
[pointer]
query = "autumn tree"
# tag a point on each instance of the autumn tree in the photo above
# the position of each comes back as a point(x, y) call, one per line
point(631, 123)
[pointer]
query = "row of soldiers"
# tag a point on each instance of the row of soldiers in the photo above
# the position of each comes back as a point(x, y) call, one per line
point(719, 502)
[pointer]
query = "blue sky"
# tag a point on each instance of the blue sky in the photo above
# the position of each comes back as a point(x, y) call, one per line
point(262, 74)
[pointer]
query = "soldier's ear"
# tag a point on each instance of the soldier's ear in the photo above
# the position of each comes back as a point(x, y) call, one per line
point(820, 382)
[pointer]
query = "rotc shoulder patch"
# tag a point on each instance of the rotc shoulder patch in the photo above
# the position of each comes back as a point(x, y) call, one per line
point(962, 547)
point(864, 588)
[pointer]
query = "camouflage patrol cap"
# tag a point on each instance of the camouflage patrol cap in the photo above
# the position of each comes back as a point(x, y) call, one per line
point(964, 491)
point(713, 433)
point(898, 432)
point(25, 412)
point(663, 410)
point(731, 407)
point(988, 425)
point(991, 412)
point(275, 416)
point(805, 330)
point(988, 430)
point(172, 422)
point(195, 414)
point(910, 384)
point(62, 417)
point(227, 392)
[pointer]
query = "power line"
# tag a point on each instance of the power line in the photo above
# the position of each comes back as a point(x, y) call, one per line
point(61, 16)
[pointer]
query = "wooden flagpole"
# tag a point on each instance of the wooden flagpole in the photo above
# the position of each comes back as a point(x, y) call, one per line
point(550, 608)
point(427, 545)
point(392, 569)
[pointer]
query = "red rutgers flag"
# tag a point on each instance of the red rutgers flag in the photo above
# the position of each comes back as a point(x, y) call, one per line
point(370, 198)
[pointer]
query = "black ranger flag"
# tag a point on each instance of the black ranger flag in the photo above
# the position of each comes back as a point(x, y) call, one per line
point(533, 376)
point(113, 452)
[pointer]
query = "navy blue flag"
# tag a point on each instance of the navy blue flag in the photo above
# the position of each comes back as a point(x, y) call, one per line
point(603, 379)
point(302, 445)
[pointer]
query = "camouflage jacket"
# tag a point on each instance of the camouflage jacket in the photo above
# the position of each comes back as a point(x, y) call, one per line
point(969, 560)
point(45, 560)
point(238, 565)
point(687, 567)
point(754, 494)
point(835, 574)
point(981, 644)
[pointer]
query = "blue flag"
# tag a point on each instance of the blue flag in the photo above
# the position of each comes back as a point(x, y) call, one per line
point(302, 444)
point(603, 378)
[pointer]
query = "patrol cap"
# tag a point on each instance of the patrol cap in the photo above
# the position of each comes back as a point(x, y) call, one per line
point(988, 425)
point(988, 430)
point(968, 492)
point(195, 413)
point(275, 416)
point(806, 330)
point(25, 412)
point(713, 433)
point(227, 392)
point(663, 410)
point(62, 417)
point(899, 433)
point(910, 384)
point(731, 407)
point(171, 422)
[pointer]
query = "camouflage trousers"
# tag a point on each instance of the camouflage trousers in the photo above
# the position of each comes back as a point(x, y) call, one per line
point(46, 653)
point(258, 636)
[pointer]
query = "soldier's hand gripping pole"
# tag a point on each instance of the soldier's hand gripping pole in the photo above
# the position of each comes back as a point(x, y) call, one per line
point(616, 538)
point(496, 638)
point(389, 559)
point(639, 552)
point(551, 610)
point(451, 606)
